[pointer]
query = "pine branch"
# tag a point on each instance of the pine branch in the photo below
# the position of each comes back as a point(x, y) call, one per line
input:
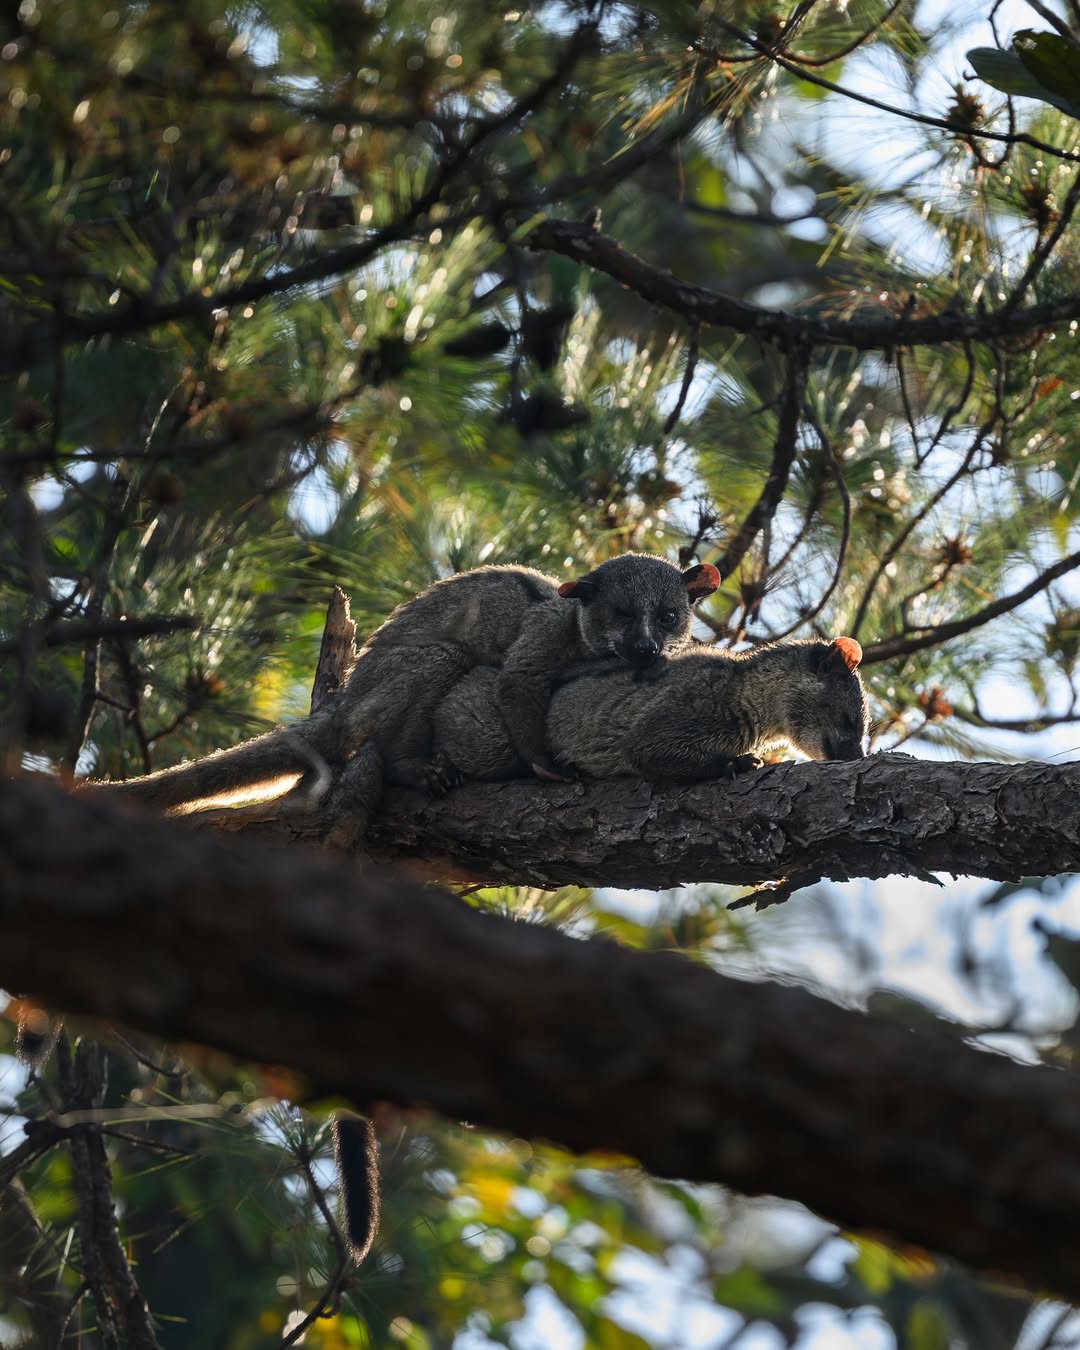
point(700, 304)
point(900, 644)
point(78, 631)
point(798, 67)
point(764, 509)
point(883, 816)
point(282, 956)
point(35, 342)
point(888, 814)
point(123, 1315)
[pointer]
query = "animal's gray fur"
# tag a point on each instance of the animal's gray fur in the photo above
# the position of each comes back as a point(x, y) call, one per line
point(708, 714)
point(634, 609)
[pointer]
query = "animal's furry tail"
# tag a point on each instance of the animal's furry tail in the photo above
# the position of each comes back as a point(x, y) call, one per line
point(246, 771)
point(356, 1155)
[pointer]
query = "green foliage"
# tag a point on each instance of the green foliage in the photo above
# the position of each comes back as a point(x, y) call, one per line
point(1045, 66)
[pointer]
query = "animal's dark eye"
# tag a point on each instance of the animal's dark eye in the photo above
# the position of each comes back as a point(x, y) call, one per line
point(625, 614)
point(668, 618)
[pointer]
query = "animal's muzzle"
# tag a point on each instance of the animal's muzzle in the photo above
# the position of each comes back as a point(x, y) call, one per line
point(643, 651)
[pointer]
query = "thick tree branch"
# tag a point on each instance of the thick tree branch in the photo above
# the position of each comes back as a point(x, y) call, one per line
point(877, 817)
point(382, 989)
point(882, 816)
point(699, 304)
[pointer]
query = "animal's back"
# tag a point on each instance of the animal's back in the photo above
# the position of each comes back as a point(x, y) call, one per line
point(708, 713)
point(481, 611)
point(595, 716)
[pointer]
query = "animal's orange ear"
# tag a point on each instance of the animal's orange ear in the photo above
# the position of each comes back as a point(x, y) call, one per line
point(701, 581)
point(850, 650)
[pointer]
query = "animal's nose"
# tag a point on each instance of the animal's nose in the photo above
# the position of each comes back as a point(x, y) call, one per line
point(646, 648)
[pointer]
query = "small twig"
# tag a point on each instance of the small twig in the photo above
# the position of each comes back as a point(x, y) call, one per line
point(776, 892)
point(905, 400)
point(707, 520)
point(784, 447)
point(912, 525)
point(134, 685)
point(687, 380)
point(977, 718)
point(121, 494)
point(120, 630)
point(179, 1070)
point(332, 1289)
point(755, 219)
point(153, 1145)
point(77, 1094)
point(903, 644)
point(25, 525)
point(848, 48)
point(910, 733)
point(73, 1305)
point(962, 130)
point(40, 1138)
point(1055, 19)
point(833, 464)
point(953, 410)
point(167, 728)
point(1043, 250)
point(122, 1312)
point(813, 505)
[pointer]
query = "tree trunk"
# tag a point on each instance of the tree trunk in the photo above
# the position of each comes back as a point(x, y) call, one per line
point(377, 988)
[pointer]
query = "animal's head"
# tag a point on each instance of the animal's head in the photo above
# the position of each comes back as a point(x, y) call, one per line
point(638, 607)
point(826, 705)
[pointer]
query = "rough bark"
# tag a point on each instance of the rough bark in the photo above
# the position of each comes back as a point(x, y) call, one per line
point(337, 651)
point(877, 817)
point(377, 988)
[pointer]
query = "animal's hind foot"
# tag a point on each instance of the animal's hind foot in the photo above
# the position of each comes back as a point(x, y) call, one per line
point(434, 776)
point(443, 774)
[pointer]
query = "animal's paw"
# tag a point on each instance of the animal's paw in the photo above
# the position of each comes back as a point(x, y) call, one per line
point(548, 770)
point(744, 763)
point(442, 775)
